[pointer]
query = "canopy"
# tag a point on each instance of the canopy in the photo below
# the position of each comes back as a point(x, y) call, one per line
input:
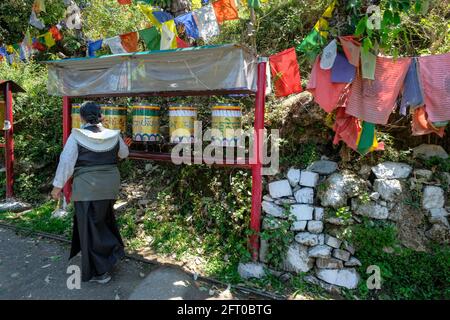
point(225, 68)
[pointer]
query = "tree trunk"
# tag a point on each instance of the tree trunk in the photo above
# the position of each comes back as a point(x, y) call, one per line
point(179, 7)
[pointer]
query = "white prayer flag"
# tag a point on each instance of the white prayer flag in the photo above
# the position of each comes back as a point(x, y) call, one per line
point(115, 44)
point(35, 22)
point(206, 20)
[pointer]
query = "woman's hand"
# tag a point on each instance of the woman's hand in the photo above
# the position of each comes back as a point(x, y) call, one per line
point(56, 193)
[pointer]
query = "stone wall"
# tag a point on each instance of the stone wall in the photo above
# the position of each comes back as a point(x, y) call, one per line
point(414, 199)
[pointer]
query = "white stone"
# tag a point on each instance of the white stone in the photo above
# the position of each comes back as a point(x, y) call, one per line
point(348, 247)
point(320, 251)
point(339, 221)
point(268, 198)
point(324, 167)
point(321, 239)
point(309, 179)
point(371, 210)
point(319, 213)
point(302, 211)
point(438, 215)
point(263, 249)
point(305, 195)
point(332, 241)
point(353, 262)
point(326, 286)
point(281, 188)
point(374, 196)
point(283, 201)
point(341, 254)
point(392, 170)
point(307, 239)
point(433, 198)
point(329, 263)
point(315, 226)
point(299, 225)
point(297, 259)
point(388, 189)
point(272, 209)
point(338, 187)
point(423, 174)
point(426, 151)
point(251, 270)
point(347, 278)
point(293, 176)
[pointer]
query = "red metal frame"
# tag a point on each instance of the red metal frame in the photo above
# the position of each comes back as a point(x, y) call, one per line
point(9, 141)
point(255, 166)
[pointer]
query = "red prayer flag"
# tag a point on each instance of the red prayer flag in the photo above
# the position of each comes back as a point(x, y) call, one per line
point(124, 1)
point(225, 10)
point(285, 73)
point(55, 33)
point(38, 46)
point(181, 43)
point(130, 41)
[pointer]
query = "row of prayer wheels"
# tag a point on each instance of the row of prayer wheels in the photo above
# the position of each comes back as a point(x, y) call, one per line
point(182, 117)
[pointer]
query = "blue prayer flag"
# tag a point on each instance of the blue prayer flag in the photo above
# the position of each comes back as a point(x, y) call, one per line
point(94, 46)
point(189, 25)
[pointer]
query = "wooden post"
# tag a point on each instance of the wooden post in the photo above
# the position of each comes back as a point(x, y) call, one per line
point(9, 141)
point(255, 216)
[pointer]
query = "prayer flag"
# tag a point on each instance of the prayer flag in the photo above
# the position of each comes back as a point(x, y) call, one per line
point(35, 22)
point(123, 2)
point(285, 72)
point(130, 41)
point(94, 46)
point(115, 45)
point(190, 27)
point(168, 35)
point(225, 10)
point(206, 21)
point(49, 41)
point(151, 38)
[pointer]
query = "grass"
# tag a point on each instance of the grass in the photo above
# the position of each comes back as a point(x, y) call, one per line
point(40, 219)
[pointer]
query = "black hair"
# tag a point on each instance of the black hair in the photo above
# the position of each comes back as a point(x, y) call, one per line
point(90, 112)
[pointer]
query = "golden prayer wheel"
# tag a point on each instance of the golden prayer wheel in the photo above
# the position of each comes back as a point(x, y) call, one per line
point(146, 122)
point(182, 119)
point(115, 117)
point(76, 119)
point(226, 124)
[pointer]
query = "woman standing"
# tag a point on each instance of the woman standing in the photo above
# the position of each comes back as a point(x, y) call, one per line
point(91, 155)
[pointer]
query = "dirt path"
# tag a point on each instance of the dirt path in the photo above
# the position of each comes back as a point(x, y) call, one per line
point(36, 268)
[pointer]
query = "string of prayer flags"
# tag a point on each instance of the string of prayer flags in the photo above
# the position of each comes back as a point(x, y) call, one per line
point(151, 38)
point(115, 45)
point(206, 21)
point(93, 47)
point(168, 35)
point(190, 27)
point(286, 73)
point(35, 22)
point(225, 10)
point(130, 41)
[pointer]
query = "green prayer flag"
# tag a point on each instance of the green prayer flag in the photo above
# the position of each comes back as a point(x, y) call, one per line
point(312, 44)
point(151, 37)
point(367, 137)
point(254, 4)
point(368, 63)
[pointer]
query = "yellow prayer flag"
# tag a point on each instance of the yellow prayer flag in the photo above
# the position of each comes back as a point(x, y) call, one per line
point(322, 26)
point(329, 11)
point(49, 41)
point(148, 12)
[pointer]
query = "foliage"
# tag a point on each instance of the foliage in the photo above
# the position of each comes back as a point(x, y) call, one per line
point(37, 129)
point(278, 238)
point(405, 273)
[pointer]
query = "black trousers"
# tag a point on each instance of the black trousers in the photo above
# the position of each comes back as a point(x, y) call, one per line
point(96, 234)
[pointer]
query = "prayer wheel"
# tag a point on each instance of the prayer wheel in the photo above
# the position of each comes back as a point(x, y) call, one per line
point(76, 119)
point(226, 119)
point(146, 122)
point(182, 118)
point(115, 117)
